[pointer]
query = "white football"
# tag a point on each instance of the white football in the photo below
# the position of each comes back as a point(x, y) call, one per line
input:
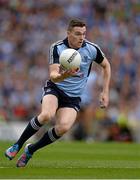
point(70, 59)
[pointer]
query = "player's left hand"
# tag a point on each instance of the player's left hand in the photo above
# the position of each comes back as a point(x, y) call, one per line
point(104, 99)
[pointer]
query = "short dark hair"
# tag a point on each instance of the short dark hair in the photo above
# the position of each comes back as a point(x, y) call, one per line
point(76, 23)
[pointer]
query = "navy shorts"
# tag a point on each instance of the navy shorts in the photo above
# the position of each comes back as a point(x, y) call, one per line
point(63, 99)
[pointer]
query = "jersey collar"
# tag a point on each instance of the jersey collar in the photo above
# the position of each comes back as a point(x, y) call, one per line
point(65, 41)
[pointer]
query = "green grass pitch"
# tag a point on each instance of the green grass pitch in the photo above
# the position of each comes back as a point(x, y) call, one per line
point(76, 160)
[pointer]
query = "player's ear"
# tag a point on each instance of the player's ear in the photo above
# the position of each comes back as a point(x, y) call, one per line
point(68, 32)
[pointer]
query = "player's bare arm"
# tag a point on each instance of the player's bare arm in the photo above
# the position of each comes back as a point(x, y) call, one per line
point(58, 75)
point(104, 97)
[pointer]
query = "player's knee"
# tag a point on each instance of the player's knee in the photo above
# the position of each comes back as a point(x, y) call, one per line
point(62, 129)
point(45, 117)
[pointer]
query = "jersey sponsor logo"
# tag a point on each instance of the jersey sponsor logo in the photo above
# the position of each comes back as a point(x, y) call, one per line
point(85, 59)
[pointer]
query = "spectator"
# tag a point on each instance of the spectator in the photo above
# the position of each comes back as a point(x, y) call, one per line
point(27, 28)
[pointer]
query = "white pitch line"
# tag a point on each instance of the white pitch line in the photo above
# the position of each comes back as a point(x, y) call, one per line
point(6, 167)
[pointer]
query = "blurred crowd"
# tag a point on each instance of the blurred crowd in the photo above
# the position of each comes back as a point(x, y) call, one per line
point(29, 27)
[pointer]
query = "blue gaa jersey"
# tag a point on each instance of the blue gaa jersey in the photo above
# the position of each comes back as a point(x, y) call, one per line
point(74, 86)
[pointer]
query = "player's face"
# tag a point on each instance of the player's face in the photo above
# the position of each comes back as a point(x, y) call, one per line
point(76, 37)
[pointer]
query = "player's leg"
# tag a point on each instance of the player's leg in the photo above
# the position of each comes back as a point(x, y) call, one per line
point(49, 106)
point(65, 119)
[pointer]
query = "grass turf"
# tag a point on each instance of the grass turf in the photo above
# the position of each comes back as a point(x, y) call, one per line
point(76, 160)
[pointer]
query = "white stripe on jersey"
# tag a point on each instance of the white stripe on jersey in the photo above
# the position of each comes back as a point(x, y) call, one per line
point(95, 46)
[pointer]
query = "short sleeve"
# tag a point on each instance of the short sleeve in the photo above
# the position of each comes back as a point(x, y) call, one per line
point(53, 55)
point(99, 56)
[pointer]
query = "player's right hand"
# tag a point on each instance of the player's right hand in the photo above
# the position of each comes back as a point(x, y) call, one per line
point(70, 72)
